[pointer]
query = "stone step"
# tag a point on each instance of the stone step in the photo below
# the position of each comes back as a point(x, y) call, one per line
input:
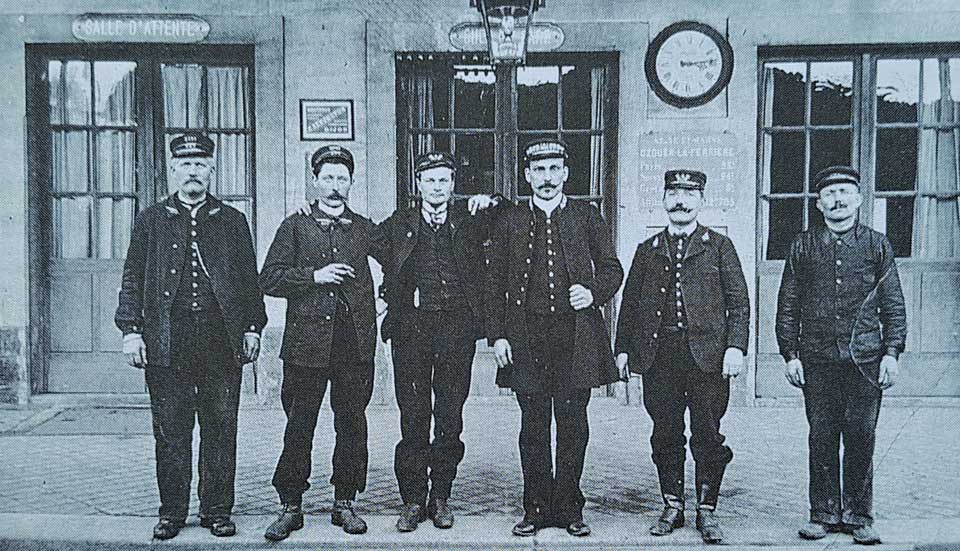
point(36, 532)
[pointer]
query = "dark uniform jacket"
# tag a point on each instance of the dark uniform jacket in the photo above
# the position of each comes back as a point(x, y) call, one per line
point(714, 295)
point(300, 247)
point(591, 261)
point(153, 270)
point(840, 298)
point(401, 230)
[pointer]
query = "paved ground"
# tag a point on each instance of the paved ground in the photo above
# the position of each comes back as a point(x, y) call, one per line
point(99, 462)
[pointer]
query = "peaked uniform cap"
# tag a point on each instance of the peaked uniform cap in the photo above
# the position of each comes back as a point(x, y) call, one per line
point(336, 154)
point(191, 144)
point(434, 159)
point(684, 179)
point(839, 174)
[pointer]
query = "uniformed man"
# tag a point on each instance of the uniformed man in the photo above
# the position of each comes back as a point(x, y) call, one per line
point(318, 262)
point(434, 291)
point(191, 314)
point(552, 267)
point(841, 326)
point(684, 325)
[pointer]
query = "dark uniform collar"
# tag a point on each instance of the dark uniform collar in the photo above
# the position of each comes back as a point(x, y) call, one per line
point(848, 238)
point(174, 206)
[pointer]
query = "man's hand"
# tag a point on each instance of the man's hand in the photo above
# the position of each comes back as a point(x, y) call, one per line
point(304, 209)
point(477, 203)
point(733, 360)
point(503, 352)
point(580, 297)
point(135, 350)
point(333, 273)
point(622, 367)
point(794, 373)
point(889, 370)
point(251, 347)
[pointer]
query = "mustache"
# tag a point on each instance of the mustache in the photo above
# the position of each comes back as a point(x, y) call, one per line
point(336, 195)
point(838, 205)
point(679, 208)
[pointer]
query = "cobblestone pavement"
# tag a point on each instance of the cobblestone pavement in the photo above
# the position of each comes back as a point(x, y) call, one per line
point(89, 461)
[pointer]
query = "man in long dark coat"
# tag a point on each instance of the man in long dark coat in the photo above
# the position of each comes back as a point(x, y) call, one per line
point(191, 315)
point(552, 267)
point(841, 326)
point(684, 326)
point(433, 282)
point(318, 262)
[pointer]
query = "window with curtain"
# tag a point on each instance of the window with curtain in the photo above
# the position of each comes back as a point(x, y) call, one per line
point(902, 138)
point(93, 136)
point(459, 104)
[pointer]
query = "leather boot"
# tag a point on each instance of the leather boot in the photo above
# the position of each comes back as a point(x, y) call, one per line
point(290, 519)
point(709, 478)
point(439, 510)
point(344, 516)
point(671, 488)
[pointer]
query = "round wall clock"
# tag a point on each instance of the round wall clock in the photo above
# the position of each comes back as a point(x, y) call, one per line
point(688, 64)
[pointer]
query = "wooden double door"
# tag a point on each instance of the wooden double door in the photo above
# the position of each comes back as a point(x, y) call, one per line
point(99, 122)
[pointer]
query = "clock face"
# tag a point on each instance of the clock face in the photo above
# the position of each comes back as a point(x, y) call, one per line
point(689, 63)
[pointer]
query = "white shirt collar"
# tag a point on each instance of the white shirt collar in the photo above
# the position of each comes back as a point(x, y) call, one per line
point(429, 212)
point(674, 230)
point(548, 206)
point(331, 211)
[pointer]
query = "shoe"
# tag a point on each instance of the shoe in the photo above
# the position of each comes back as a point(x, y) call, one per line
point(221, 526)
point(411, 517)
point(167, 528)
point(579, 529)
point(528, 525)
point(290, 519)
point(670, 519)
point(343, 515)
point(865, 535)
point(812, 531)
point(709, 526)
point(441, 514)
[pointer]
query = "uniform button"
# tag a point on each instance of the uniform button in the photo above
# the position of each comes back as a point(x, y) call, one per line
point(549, 231)
point(528, 261)
point(409, 234)
point(531, 234)
point(443, 282)
point(654, 335)
point(552, 285)
point(327, 318)
point(518, 302)
point(551, 274)
point(194, 294)
point(253, 327)
point(166, 293)
point(335, 250)
point(553, 309)
point(678, 285)
point(193, 233)
point(193, 222)
point(173, 270)
point(552, 297)
point(195, 274)
point(679, 256)
point(195, 285)
point(839, 242)
point(549, 241)
point(839, 263)
point(529, 245)
point(331, 293)
point(838, 316)
point(663, 290)
point(678, 293)
point(522, 289)
point(549, 263)
point(666, 268)
point(679, 265)
point(175, 246)
point(194, 262)
point(839, 281)
point(525, 275)
point(194, 304)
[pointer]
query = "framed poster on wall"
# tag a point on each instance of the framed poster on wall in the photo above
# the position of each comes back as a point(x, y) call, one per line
point(326, 119)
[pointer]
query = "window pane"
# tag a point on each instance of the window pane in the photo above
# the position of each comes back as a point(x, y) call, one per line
point(785, 88)
point(474, 97)
point(474, 155)
point(827, 148)
point(785, 219)
point(832, 99)
point(116, 161)
point(181, 96)
point(71, 227)
point(786, 150)
point(954, 68)
point(537, 97)
point(581, 90)
point(898, 90)
point(894, 217)
point(115, 217)
point(896, 159)
point(227, 97)
point(424, 142)
point(69, 92)
point(70, 161)
point(932, 91)
point(230, 155)
point(580, 163)
point(114, 92)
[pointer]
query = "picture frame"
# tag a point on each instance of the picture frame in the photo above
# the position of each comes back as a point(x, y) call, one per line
point(326, 120)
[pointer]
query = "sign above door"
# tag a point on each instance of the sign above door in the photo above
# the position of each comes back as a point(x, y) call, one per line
point(100, 27)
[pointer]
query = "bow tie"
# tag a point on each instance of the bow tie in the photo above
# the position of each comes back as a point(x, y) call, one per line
point(341, 222)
